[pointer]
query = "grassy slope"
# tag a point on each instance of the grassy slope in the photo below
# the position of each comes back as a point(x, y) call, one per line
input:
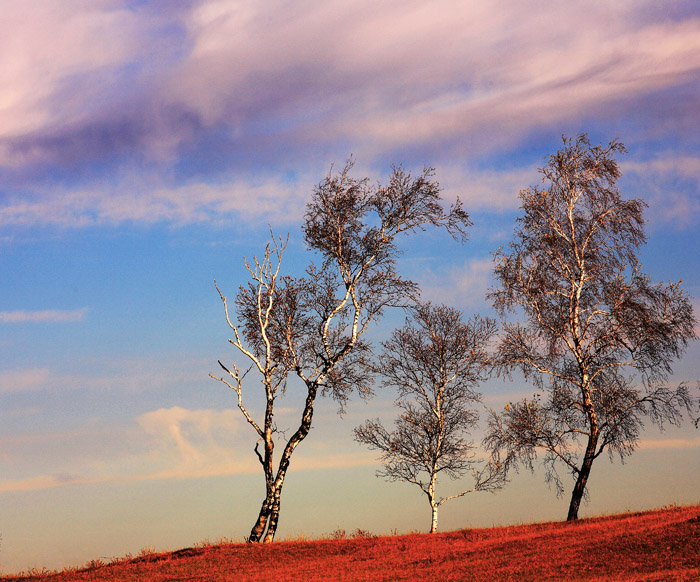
point(660, 545)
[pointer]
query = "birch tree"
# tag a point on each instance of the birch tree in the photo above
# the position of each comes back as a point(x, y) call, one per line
point(435, 362)
point(311, 328)
point(598, 338)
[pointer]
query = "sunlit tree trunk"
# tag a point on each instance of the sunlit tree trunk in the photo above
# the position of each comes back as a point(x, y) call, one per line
point(434, 505)
point(265, 527)
point(261, 522)
point(274, 516)
point(266, 509)
point(434, 521)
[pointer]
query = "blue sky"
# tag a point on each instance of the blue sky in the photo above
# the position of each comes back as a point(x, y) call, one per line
point(145, 146)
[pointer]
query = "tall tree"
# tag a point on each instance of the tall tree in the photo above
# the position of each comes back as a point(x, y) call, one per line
point(435, 362)
point(598, 337)
point(311, 327)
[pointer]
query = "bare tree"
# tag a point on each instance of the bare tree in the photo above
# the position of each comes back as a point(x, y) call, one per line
point(435, 362)
point(312, 327)
point(598, 338)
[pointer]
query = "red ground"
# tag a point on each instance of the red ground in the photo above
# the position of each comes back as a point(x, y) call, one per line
point(661, 545)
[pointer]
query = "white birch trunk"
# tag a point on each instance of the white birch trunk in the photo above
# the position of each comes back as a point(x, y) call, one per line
point(434, 521)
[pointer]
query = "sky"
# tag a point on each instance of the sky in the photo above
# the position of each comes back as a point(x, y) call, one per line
point(148, 146)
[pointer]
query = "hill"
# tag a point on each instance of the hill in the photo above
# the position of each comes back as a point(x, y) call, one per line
point(659, 545)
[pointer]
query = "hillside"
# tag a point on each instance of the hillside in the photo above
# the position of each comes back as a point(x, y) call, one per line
point(660, 545)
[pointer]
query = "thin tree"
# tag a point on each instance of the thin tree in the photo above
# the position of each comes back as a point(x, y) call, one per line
point(435, 362)
point(311, 327)
point(598, 337)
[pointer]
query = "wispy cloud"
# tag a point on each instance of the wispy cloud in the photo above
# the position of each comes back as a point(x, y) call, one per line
point(666, 444)
point(487, 189)
point(192, 438)
point(387, 77)
point(168, 443)
point(272, 200)
point(23, 380)
point(46, 316)
point(62, 40)
point(463, 285)
point(671, 185)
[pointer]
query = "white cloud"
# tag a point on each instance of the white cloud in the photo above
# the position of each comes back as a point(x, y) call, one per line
point(272, 200)
point(46, 316)
point(86, 81)
point(459, 285)
point(531, 72)
point(164, 443)
point(670, 183)
point(487, 189)
point(194, 438)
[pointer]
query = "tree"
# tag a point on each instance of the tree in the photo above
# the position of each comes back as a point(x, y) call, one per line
point(435, 362)
point(599, 338)
point(311, 327)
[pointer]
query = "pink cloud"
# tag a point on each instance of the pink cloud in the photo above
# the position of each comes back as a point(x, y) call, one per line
point(44, 44)
point(23, 380)
point(90, 82)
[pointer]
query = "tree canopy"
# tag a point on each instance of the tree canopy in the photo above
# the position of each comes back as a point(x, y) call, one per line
point(435, 362)
point(312, 326)
point(597, 337)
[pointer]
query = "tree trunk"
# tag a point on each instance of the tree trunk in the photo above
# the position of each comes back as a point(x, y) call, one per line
point(431, 498)
point(580, 487)
point(268, 517)
point(259, 527)
point(590, 454)
point(274, 518)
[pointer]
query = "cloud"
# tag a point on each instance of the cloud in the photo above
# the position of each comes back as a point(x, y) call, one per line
point(671, 185)
point(164, 443)
point(44, 482)
point(23, 380)
point(487, 189)
point(665, 444)
point(54, 63)
point(210, 84)
point(47, 316)
point(194, 438)
point(167, 443)
point(273, 200)
point(461, 285)
point(403, 72)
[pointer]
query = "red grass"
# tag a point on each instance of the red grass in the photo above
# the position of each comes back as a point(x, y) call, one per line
point(661, 545)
